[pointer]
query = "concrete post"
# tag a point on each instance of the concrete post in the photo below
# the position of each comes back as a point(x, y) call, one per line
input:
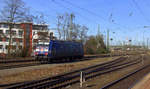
point(82, 78)
point(142, 59)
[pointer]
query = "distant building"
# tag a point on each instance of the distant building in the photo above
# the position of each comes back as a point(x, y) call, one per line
point(24, 36)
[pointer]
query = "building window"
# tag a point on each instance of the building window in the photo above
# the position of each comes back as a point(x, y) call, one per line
point(35, 40)
point(13, 32)
point(6, 47)
point(42, 33)
point(13, 47)
point(34, 47)
point(1, 31)
point(19, 40)
point(1, 39)
point(20, 47)
point(7, 31)
point(17, 26)
point(5, 25)
point(1, 46)
point(14, 39)
point(7, 39)
point(37, 27)
point(20, 33)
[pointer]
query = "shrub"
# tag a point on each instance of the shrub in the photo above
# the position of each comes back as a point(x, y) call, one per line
point(95, 45)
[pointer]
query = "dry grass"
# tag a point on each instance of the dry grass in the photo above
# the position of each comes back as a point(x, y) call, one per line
point(49, 71)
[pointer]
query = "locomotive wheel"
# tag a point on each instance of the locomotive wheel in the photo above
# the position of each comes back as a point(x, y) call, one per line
point(36, 58)
point(49, 60)
point(71, 59)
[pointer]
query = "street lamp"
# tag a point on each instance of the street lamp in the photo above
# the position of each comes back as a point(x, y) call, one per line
point(146, 26)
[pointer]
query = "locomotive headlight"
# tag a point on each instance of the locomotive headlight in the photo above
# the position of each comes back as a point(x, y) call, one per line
point(37, 50)
point(46, 50)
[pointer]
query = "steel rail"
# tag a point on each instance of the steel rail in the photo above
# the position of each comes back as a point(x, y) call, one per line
point(70, 73)
point(124, 77)
point(64, 79)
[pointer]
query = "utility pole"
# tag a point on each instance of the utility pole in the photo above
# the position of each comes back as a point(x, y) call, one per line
point(107, 39)
point(98, 36)
point(58, 25)
point(98, 29)
point(71, 27)
point(147, 43)
point(143, 40)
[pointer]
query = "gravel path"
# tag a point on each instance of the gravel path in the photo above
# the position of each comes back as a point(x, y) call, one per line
point(144, 83)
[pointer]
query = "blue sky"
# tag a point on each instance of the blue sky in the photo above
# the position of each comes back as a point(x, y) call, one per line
point(129, 16)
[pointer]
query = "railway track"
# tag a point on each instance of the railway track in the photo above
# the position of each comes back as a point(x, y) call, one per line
point(9, 64)
point(66, 79)
point(25, 63)
point(16, 61)
point(18, 66)
point(32, 59)
point(133, 76)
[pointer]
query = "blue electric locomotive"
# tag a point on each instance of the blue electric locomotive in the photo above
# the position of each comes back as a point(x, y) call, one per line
point(64, 50)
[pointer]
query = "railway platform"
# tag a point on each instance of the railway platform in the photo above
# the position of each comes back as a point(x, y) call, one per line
point(144, 83)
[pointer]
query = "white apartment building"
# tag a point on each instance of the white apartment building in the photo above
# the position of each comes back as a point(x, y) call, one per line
point(24, 35)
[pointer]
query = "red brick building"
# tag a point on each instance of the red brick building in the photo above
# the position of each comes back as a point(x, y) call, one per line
point(24, 36)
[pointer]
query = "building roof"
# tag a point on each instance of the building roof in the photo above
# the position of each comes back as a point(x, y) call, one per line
point(2, 22)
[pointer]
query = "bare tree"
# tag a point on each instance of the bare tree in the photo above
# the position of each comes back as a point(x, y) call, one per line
point(58, 26)
point(38, 19)
point(68, 30)
point(13, 11)
point(63, 26)
point(71, 26)
point(83, 33)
